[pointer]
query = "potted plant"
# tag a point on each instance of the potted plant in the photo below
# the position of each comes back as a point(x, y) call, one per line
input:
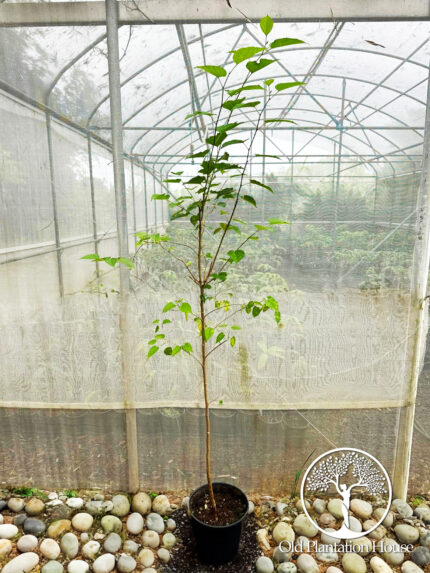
point(219, 188)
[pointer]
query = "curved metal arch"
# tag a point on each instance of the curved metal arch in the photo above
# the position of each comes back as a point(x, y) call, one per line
point(320, 95)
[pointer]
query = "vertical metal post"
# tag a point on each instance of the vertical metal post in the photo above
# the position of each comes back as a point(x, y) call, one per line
point(419, 314)
point(339, 162)
point(155, 202)
point(290, 207)
point(93, 202)
point(264, 135)
point(133, 197)
point(54, 204)
point(122, 228)
point(146, 200)
point(374, 202)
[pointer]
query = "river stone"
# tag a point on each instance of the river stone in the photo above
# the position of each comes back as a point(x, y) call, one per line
point(287, 568)
point(161, 505)
point(319, 506)
point(155, 522)
point(283, 532)
point(146, 557)
point(5, 548)
point(425, 539)
point(171, 524)
point(78, 566)
point(391, 552)
point(3, 504)
point(111, 523)
point(112, 543)
point(251, 507)
point(7, 531)
point(131, 547)
point(307, 564)
point(362, 545)
point(280, 554)
point(402, 508)
point(142, 503)
point(1, 519)
point(333, 569)
point(411, 567)
point(264, 565)
point(27, 543)
point(299, 505)
point(406, 533)
point(82, 521)
point(329, 556)
point(57, 528)
point(327, 520)
point(53, 567)
point(169, 540)
point(34, 526)
point(126, 563)
point(60, 511)
point(15, 504)
point(69, 545)
point(121, 505)
point(353, 563)
point(104, 564)
point(280, 508)
point(379, 566)
point(19, 519)
point(163, 555)
point(334, 506)
point(149, 570)
point(90, 549)
point(303, 526)
point(421, 556)
point(75, 502)
point(303, 543)
point(135, 523)
point(355, 524)
point(34, 506)
point(50, 549)
point(22, 563)
point(378, 533)
point(361, 508)
point(389, 519)
point(150, 539)
point(327, 539)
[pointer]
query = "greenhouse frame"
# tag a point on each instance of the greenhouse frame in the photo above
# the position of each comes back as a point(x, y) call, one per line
point(94, 98)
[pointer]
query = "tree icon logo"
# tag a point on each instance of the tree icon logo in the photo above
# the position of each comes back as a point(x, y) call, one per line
point(342, 473)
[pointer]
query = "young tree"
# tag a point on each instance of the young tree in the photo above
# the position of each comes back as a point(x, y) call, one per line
point(218, 188)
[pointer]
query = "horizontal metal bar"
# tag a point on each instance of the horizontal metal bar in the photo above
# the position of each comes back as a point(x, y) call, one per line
point(300, 155)
point(205, 11)
point(274, 128)
point(326, 405)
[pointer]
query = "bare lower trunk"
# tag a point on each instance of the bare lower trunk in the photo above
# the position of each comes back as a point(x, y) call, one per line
point(205, 388)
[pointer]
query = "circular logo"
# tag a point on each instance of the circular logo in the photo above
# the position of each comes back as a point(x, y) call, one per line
point(340, 473)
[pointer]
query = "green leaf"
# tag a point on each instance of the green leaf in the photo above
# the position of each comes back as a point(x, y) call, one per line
point(198, 113)
point(175, 350)
point(161, 196)
point(196, 155)
point(197, 180)
point(236, 256)
point(92, 257)
point(186, 309)
point(152, 351)
point(166, 321)
point(278, 222)
point(208, 333)
point(281, 42)
point(260, 184)
point(236, 327)
point(187, 348)
point(276, 120)
point(269, 82)
point(256, 311)
point(245, 53)
point(169, 306)
point(228, 126)
point(257, 66)
point(220, 336)
point(267, 155)
point(232, 341)
point(168, 351)
point(232, 142)
point(221, 402)
point(244, 88)
point(285, 86)
point(249, 199)
point(111, 261)
point(266, 25)
point(217, 71)
point(216, 140)
point(261, 227)
point(127, 262)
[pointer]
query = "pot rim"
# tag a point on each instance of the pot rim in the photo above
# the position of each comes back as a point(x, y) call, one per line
point(219, 526)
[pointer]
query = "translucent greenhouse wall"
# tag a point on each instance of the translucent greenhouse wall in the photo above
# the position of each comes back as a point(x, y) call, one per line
point(80, 403)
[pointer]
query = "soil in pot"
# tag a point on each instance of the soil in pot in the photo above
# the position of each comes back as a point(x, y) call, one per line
point(230, 508)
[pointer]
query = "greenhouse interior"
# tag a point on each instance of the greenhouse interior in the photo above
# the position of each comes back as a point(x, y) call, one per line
point(214, 253)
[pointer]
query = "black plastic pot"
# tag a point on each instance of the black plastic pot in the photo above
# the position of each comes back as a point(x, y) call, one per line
point(217, 544)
